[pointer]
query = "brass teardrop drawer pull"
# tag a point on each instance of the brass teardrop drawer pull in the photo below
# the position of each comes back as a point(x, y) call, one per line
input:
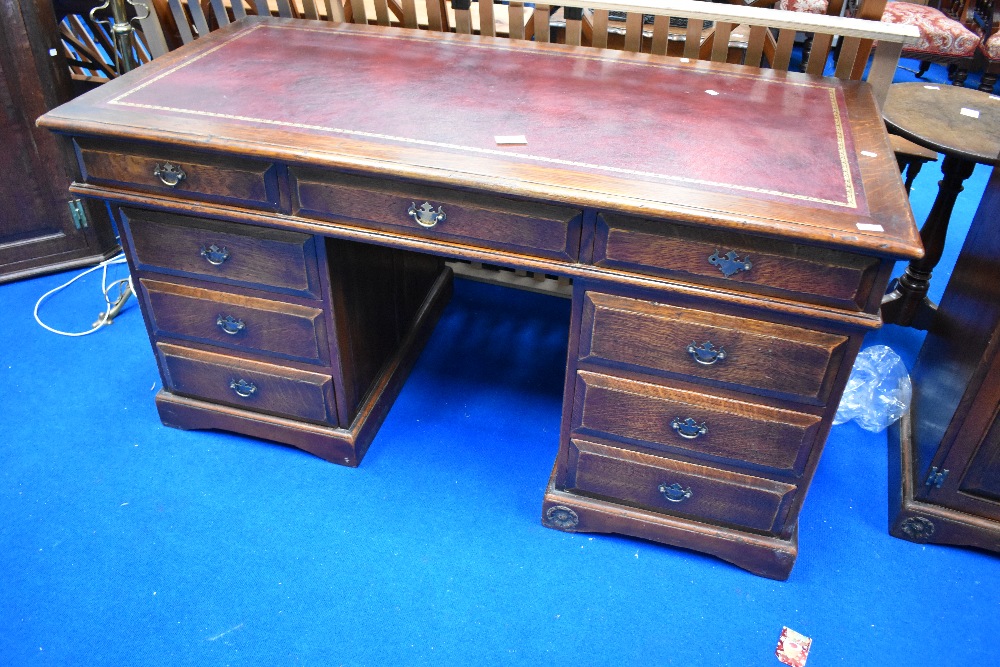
point(243, 388)
point(675, 493)
point(425, 215)
point(230, 324)
point(706, 354)
point(688, 428)
point(169, 174)
point(214, 255)
point(730, 263)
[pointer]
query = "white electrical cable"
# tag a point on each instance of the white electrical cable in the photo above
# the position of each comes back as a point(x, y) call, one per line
point(105, 288)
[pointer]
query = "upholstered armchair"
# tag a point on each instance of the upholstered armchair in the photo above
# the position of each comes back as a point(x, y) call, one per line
point(807, 6)
point(943, 38)
point(986, 22)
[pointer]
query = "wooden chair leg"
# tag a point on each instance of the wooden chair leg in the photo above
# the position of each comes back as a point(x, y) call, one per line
point(910, 157)
point(988, 82)
point(913, 168)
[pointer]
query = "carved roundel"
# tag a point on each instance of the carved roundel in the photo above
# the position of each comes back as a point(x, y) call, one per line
point(918, 528)
point(562, 516)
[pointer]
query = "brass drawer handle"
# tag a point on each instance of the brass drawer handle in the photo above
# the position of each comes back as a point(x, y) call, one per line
point(706, 354)
point(688, 428)
point(230, 324)
point(214, 254)
point(169, 174)
point(243, 388)
point(730, 263)
point(425, 215)
point(675, 493)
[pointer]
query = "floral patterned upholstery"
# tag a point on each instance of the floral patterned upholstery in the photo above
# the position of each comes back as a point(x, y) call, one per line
point(939, 35)
point(806, 6)
point(992, 47)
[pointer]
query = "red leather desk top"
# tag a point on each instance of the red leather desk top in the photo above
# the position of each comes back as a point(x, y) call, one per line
point(673, 132)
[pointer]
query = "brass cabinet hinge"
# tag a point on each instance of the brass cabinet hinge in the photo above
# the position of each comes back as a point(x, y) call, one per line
point(79, 213)
point(936, 477)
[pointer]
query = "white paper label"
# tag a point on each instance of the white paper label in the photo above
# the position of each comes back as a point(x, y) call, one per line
point(933, 87)
point(869, 154)
point(511, 140)
point(971, 113)
point(865, 227)
point(53, 53)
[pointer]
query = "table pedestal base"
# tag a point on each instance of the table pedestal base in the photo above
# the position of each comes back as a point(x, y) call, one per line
point(908, 305)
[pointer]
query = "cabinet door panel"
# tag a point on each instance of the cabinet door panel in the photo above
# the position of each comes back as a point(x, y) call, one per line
point(983, 478)
point(37, 232)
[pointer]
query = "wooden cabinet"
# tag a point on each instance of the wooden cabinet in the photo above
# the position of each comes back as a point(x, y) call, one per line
point(288, 244)
point(42, 226)
point(945, 485)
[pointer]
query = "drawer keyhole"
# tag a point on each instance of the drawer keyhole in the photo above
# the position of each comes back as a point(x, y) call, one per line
point(688, 428)
point(243, 388)
point(675, 493)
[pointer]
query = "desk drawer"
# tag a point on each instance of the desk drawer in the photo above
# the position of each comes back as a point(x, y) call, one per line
point(738, 352)
point(468, 219)
point(239, 322)
point(269, 259)
point(268, 388)
point(692, 423)
point(788, 270)
point(652, 482)
point(195, 175)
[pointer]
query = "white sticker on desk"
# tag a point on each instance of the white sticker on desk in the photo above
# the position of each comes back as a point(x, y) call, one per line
point(971, 113)
point(511, 140)
point(685, 60)
point(933, 87)
point(869, 154)
point(994, 97)
point(865, 227)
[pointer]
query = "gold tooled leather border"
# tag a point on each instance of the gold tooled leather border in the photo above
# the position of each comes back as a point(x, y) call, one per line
point(850, 198)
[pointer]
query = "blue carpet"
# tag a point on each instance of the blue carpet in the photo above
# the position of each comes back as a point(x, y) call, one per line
point(127, 543)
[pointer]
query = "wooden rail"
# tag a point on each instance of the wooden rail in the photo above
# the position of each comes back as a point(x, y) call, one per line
point(765, 36)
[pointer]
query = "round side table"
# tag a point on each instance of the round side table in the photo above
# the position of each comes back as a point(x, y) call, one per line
point(964, 125)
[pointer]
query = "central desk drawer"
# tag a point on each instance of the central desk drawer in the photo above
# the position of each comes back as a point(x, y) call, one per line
point(269, 259)
point(739, 352)
point(439, 214)
point(180, 173)
point(267, 388)
point(735, 261)
point(664, 485)
point(677, 420)
point(235, 321)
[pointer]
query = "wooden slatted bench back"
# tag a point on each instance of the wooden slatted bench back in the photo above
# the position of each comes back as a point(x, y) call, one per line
point(766, 35)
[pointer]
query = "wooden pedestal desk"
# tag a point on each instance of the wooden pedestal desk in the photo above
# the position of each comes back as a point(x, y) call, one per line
point(289, 190)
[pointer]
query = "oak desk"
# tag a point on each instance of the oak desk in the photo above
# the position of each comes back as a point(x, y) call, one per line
point(288, 192)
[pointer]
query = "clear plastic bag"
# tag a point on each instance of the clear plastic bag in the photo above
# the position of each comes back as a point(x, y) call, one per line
point(878, 391)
